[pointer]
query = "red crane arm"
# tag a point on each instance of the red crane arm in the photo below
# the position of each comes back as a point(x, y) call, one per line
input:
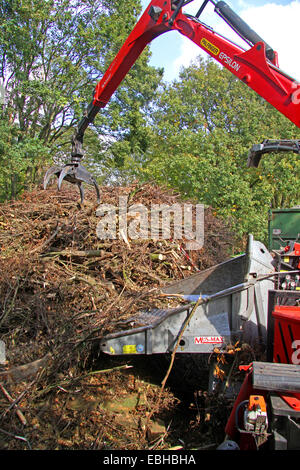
point(251, 66)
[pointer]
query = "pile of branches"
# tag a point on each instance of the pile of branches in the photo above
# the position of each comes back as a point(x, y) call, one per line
point(62, 287)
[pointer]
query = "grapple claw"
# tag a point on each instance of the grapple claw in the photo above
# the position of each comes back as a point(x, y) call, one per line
point(81, 190)
point(54, 170)
point(73, 173)
point(66, 171)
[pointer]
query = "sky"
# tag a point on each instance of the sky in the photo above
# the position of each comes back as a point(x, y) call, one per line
point(276, 21)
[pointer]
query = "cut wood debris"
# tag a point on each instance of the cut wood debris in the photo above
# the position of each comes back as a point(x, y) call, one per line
point(62, 288)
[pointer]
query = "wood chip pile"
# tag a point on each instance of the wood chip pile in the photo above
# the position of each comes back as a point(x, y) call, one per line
point(61, 288)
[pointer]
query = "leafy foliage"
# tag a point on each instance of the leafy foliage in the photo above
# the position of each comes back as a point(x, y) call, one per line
point(203, 127)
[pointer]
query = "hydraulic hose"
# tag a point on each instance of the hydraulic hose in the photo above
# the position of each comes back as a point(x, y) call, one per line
point(241, 27)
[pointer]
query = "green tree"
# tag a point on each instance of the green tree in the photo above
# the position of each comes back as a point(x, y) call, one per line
point(203, 127)
point(52, 54)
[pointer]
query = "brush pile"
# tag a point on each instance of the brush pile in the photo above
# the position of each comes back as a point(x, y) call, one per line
point(61, 288)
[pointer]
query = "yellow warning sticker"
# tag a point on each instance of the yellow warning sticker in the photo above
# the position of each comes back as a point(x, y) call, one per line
point(129, 349)
point(209, 46)
point(286, 259)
